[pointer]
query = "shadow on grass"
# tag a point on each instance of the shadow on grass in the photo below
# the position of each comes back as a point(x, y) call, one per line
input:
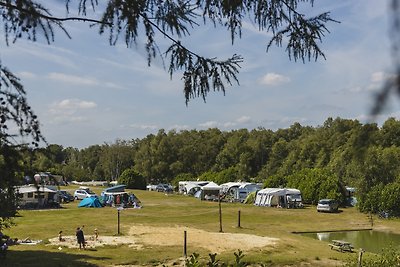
point(44, 258)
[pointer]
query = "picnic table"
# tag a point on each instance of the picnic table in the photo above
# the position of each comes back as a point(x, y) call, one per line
point(341, 245)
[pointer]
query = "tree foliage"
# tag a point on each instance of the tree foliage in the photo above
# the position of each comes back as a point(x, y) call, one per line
point(132, 179)
point(320, 161)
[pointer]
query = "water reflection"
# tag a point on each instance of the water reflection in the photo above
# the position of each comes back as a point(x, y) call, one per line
point(323, 236)
point(371, 241)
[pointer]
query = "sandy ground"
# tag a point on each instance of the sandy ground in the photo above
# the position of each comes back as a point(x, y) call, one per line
point(140, 236)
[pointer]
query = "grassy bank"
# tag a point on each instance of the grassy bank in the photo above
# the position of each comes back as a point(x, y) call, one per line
point(162, 210)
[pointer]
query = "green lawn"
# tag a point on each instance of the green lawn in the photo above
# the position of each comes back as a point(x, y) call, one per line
point(176, 210)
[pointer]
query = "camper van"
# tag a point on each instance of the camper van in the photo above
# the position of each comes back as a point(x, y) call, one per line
point(31, 196)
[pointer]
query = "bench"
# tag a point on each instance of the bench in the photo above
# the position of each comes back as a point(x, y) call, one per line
point(341, 246)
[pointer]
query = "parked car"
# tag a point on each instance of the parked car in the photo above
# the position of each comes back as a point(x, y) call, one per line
point(65, 196)
point(83, 193)
point(327, 205)
point(164, 188)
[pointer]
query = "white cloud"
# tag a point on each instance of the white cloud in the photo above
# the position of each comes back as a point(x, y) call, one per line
point(209, 124)
point(144, 126)
point(71, 79)
point(378, 76)
point(78, 80)
point(244, 119)
point(178, 127)
point(48, 53)
point(229, 124)
point(274, 79)
point(73, 104)
point(70, 111)
point(239, 122)
point(26, 75)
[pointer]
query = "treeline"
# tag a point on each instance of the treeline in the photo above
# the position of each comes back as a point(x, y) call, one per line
point(319, 161)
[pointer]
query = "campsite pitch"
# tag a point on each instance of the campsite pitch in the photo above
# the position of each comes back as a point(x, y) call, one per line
point(153, 235)
point(141, 236)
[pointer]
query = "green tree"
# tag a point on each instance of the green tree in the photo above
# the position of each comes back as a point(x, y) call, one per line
point(390, 195)
point(390, 133)
point(15, 114)
point(316, 184)
point(9, 166)
point(115, 158)
point(132, 179)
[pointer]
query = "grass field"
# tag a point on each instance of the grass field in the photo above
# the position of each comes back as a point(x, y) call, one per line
point(182, 212)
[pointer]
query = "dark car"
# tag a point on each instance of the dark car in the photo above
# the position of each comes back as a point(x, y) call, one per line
point(164, 188)
point(65, 196)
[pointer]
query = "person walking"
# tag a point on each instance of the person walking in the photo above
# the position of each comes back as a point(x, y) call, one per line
point(80, 238)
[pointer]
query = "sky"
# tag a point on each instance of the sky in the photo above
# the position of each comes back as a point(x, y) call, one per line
point(86, 92)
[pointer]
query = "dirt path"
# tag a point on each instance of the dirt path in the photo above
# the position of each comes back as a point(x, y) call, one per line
point(140, 235)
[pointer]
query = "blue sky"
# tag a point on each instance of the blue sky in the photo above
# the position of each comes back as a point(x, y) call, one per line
point(87, 92)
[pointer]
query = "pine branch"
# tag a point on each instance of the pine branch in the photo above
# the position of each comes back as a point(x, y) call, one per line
point(49, 17)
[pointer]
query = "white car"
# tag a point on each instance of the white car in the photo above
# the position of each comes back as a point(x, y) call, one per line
point(327, 205)
point(83, 193)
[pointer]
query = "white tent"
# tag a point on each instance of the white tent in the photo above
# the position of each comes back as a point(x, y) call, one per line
point(190, 187)
point(227, 186)
point(244, 190)
point(210, 191)
point(282, 197)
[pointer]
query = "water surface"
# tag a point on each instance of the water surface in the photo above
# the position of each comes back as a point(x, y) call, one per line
point(371, 241)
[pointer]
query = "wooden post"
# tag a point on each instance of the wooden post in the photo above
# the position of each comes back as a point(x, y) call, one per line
point(118, 221)
point(220, 213)
point(238, 219)
point(360, 257)
point(371, 219)
point(184, 244)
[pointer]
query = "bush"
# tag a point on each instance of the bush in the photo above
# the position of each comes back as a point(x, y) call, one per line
point(132, 179)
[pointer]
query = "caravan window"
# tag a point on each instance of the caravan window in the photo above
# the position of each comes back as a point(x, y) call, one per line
point(294, 198)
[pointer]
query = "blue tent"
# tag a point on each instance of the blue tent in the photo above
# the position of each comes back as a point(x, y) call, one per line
point(90, 202)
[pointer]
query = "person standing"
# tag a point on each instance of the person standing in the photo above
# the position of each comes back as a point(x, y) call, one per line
point(80, 238)
point(60, 237)
point(96, 234)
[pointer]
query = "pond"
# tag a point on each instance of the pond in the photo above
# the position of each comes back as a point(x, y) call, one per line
point(371, 241)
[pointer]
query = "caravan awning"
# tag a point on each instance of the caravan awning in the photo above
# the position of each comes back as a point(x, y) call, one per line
point(211, 186)
point(33, 189)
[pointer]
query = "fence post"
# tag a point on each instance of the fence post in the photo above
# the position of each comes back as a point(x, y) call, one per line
point(238, 219)
point(220, 213)
point(360, 253)
point(118, 210)
point(185, 244)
